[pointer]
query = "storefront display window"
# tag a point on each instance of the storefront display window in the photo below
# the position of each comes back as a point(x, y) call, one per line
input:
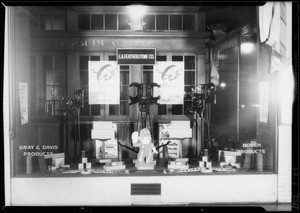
point(163, 98)
point(162, 83)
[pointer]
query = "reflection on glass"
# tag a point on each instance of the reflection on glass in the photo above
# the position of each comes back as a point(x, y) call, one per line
point(83, 62)
point(175, 22)
point(176, 109)
point(47, 62)
point(85, 110)
point(95, 58)
point(124, 22)
point(59, 21)
point(113, 109)
point(149, 22)
point(111, 21)
point(95, 109)
point(162, 109)
point(162, 22)
point(83, 22)
point(188, 22)
point(224, 112)
point(124, 108)
point(97, 22)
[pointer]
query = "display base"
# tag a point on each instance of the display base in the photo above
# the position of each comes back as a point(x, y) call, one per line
point(113, 168)
point(145, 166)
point(178, 167)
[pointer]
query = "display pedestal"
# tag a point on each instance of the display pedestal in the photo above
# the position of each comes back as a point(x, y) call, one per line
point(144, 166)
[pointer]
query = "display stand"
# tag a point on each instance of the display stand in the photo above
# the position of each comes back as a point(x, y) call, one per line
point(144, 98)
point(201, 97)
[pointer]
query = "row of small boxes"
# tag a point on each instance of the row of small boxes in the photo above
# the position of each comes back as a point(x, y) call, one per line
point(84, 164)
point(237, 165)
point(112, 166)
point(179, 163)
point(205, 163)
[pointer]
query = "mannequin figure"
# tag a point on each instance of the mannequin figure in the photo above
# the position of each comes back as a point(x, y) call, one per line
point(147, 148)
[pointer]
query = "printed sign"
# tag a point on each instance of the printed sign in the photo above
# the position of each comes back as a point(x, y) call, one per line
point(104, 82)
point(23, 96)
point(170, 77)
point(173, 148)
point(136, 56)
point(263, 101)
point(111, 149)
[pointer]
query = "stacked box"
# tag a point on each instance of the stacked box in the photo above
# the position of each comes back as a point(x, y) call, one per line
point(58, 161)
point(180, 129)
point(223, 163)
point(205, 163)
point(84, 164)
point(179, 163)
point(113, 166)
point(104, 160)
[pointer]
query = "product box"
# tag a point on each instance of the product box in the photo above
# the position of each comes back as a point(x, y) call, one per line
point(204, 158)
point(110, 149)
point(84, 160)
point(208, 165)
point(58, 162)
point(201, 164)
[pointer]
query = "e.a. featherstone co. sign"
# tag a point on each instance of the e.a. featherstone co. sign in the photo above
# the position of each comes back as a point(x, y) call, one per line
point(128, 56)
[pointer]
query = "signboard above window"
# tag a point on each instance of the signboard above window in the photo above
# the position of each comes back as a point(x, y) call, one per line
point(133, 56)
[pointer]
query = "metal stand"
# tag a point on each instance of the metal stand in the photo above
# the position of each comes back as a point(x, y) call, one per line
point(145, 98)
point(72, 106)
point(200, 99)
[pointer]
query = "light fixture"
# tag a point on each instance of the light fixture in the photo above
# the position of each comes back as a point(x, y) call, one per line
point(223, 85)
point(247, 47)
point(137, 11)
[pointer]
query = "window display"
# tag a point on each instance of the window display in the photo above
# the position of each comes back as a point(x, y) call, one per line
point(170, 102)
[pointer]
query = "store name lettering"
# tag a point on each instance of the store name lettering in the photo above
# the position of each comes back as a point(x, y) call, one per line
point(96, 43)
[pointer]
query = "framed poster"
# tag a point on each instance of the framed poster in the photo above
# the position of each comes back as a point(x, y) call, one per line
point(104, 82)
point(170, 77)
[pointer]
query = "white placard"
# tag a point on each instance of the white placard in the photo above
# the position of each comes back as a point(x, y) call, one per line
point(103, 130)
point(180, 133)
point(181, 124)
point(173, 148)
point(170, 77)
point(104, 82)
point(102, 125)
point(263, 101)
point(111, 149)
point(102, 134)
point(23, 96)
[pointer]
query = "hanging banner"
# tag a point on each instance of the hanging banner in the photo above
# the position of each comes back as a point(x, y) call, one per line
point(104, 82)
point(170, 77)
point(23, 96)
point(263, 101)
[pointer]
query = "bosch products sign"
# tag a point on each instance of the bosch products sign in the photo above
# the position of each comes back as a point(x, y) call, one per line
point(132, 56)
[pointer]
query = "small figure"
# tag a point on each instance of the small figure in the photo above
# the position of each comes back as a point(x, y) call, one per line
point(147, 148)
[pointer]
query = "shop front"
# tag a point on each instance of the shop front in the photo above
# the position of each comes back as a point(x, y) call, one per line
point(115, 109)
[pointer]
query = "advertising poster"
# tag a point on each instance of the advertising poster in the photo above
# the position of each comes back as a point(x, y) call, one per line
point(104, 82)
point(164, 137)
point(23, 94)
point(263, 101)
point(111, 149)
point(170, 77)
